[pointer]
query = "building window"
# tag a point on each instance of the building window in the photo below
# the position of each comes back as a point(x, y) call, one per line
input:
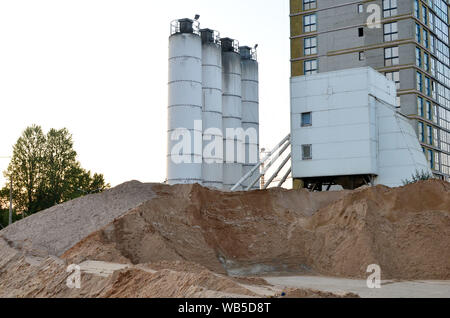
point(424, 15)
point(310, 67)
point(433, 89)
point(441, 8)
point(418, 57)
point(310, 23)
point(360, 8)
point(360, 32)
point(436, 141)
point(311, 46)
point(433, 67)
point(435, 118)
point(431, 19)
point(306, 152)
point(395, 77)
point(431, 158)
point(425, 39)
point(429, 111)
point(419, 81)
point(427, 86)
point(391, 56)
point(306, 119)
point(432, 47)
point(426, 62)
point(430, 135)
point(416, 9)
point(421, 132)
point(362, 56)
point(418, 37)
point(389, 8)
point(420, 111)
point(390, 32)
point(309, 4)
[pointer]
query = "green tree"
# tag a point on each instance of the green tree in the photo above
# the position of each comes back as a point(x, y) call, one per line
point(60, 160)
point(26, 167)
point(4, 209)
point(45, 171)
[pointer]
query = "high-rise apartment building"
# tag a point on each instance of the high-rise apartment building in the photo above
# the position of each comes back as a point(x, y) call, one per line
point(406, 40)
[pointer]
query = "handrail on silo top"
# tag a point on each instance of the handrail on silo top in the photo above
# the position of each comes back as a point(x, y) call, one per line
point(210, 36)
point(230, 45)
point(236, 46)
point(248, 53)
point(254, 54)
point(176, 26)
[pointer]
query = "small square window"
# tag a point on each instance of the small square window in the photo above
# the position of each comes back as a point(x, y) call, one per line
point(360, 8)
point(389, 8)
point(306, 152)
point(310, 46)
point(391, 56)
point(362, 56)
point(310, 67)
point(310, 23)
point(361, 32)
point(309, 4)
point(391, 32)
point(306, 119)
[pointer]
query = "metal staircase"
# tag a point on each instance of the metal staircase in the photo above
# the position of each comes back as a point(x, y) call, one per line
point(272, 158)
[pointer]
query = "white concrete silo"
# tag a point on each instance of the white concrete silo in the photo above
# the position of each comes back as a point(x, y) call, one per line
point(212, 109)
point(184, 158)
point(250, 111)
point(232, 113)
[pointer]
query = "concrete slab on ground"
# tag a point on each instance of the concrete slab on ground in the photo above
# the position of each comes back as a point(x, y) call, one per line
point(389, 289)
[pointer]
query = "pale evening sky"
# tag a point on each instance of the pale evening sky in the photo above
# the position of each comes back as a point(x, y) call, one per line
point(99, 68)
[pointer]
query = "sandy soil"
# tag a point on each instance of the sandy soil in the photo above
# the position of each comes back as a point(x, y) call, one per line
point(57, 229)
point(152, 240)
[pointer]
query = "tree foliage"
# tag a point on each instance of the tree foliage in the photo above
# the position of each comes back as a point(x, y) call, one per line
point(45, 171)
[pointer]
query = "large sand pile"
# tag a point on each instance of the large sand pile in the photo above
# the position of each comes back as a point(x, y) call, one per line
point(55, 230)
point(211, 235)
point(406, 231)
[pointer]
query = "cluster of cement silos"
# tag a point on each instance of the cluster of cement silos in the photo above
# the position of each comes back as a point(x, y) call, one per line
point(213, 89)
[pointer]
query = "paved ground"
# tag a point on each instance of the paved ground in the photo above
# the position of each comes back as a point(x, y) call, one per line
point(389, 289)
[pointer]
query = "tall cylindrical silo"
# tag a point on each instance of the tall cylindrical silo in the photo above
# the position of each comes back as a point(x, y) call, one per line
point(250, 111)
point(212, 109)
point(184, 158)
point(232, 113)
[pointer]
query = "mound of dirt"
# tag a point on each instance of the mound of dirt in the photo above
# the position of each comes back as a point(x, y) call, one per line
point(57, 229)
point(311, 293)
point(46, 277)
point(405, 230)
point(211, 228)
point(189, 241)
